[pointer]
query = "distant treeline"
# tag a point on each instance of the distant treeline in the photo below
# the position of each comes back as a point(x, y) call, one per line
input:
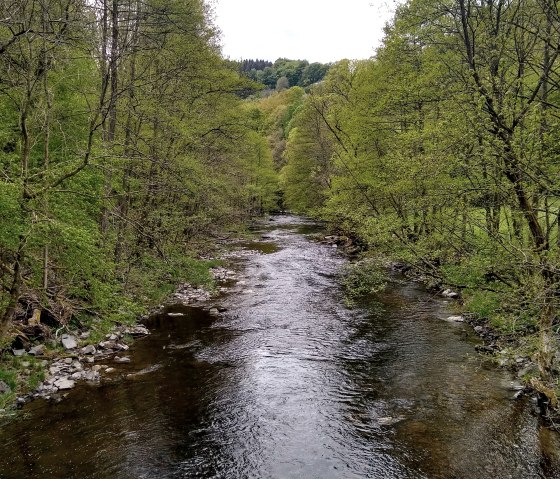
point(283, 73)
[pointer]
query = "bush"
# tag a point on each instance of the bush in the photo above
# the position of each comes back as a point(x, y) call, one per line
point(363, 278)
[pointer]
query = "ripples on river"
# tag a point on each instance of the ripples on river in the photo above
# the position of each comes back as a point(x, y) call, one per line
point(288, 383)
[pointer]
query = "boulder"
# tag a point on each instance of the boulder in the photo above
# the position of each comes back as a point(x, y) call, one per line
point(68, 341)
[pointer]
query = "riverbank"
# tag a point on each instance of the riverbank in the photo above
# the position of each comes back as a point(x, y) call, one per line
point(48, 368)
point(513, 348)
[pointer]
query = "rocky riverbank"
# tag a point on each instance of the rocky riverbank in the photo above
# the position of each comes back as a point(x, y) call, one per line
point(60, 363)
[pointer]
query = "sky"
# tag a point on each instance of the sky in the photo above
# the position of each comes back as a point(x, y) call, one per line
point(314, 30)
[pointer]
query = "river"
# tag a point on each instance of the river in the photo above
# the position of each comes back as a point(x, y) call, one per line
point(289, 383)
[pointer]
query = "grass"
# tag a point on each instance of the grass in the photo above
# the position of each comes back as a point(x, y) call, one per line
point(21, 374)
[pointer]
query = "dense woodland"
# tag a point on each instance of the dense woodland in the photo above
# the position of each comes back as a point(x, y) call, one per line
point(283, 73)
point(125, 139)
point(442, 151)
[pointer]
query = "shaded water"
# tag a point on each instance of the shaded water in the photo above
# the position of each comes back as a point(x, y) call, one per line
point(288, 383)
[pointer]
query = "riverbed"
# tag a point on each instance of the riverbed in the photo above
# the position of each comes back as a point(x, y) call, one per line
point(287, 382)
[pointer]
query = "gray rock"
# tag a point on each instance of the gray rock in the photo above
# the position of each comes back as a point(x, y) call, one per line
point(122, 347)
point(68, 341)
point(96, 368)
point(4, 388)
point(37, 350)
point(77, 375)
point(18, 352)
point(90, 360)
point(214, 311)
point(85, 335)
point(64, 383)
point(457, 319)
point(77, 365)
point(109, 370)
point(89, 349)
point(138, 331)
point(91, 376)
point(478, 329)
point(54, 370)
point(124, 359)
point(68, 361)
point(449, 294)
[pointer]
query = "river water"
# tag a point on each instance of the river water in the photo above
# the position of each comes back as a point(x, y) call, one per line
point(289, 383)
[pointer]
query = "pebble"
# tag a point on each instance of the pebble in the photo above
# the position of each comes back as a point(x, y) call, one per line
point(109, 370)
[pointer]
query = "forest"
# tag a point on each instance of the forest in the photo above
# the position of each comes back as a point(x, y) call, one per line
point(127, 144)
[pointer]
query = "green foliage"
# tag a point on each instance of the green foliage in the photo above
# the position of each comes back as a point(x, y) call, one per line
point(363, 278)
point(295, 72)
point(442, 151)
point(484, 304)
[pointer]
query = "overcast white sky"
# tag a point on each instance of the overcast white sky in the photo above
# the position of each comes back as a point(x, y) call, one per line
point(314, 30)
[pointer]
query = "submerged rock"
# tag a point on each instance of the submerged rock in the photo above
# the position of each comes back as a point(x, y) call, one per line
point(123, 359)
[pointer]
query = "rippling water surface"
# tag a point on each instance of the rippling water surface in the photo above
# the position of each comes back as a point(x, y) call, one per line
point(288, 383)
